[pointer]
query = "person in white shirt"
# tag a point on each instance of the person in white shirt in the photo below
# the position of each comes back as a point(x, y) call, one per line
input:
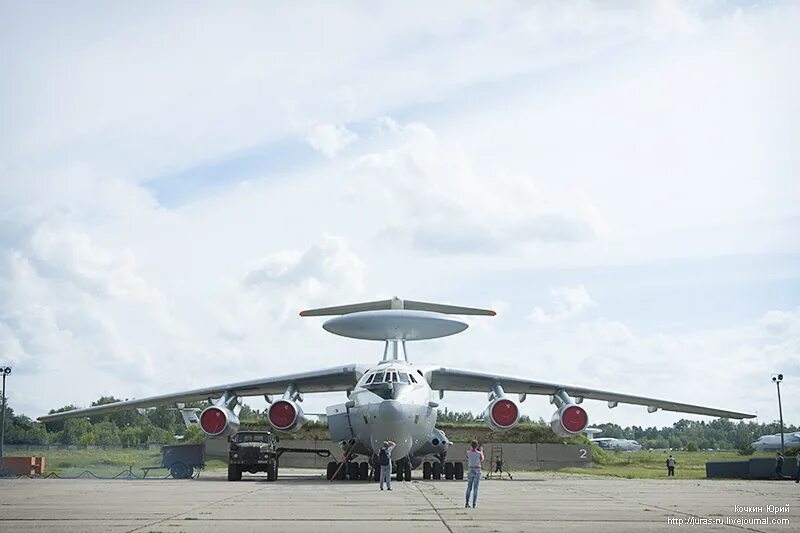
point(385, 463)
point(474, 458)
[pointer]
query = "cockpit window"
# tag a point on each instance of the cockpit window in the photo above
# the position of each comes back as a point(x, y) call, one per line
point(369, 379)
point(403, 377)
point(412, 378)
point(394, 377)
point(378, 377)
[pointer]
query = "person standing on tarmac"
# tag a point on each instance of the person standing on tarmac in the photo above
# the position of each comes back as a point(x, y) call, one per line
point(474, 458)
point(671, 466)
point(779, 466)
point(385, 463)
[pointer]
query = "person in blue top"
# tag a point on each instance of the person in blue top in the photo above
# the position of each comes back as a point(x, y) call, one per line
point(474, 458)
point(385, 463)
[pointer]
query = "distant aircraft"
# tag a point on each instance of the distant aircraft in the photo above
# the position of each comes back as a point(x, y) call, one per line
point(625, 445)
point(773, 442)
point(393, 399)
point(609, 443)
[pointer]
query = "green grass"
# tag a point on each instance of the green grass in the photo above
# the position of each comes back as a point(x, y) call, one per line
point(103, 463)
point(651, 464)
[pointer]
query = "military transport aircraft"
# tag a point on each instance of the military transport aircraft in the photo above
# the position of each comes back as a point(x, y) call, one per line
point(393, 399)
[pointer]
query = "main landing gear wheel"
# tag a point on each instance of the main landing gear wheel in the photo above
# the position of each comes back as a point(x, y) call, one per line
point(407, 471)
point(331, 470)
point(342, 475)
point(459, 471)
point(426, 470)
point(436, 470)
point(400, 474)
point(448, 470)
point(234, 473)
point(353, 471)
point(363, 471)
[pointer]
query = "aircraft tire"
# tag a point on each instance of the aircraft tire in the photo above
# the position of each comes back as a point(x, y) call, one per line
point(407, 471)
point(459, 470)
point(436, 470)
point(400, 475)
point(426, 470)
point(342, 473)
point(448, 470)
point(331, 469)
point(353, 471)
point(363, 473)
point(234, 473)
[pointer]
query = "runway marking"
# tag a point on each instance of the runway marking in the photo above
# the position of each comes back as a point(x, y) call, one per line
point(418, 485)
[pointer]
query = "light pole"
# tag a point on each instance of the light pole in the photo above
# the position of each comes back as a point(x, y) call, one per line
point(4, 370)
point(777, 380)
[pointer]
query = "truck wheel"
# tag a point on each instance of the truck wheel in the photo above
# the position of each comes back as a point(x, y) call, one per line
point(331, 470)
point(180, 470)
point(448, 470)
point(436, 470)
point(272, 472)
point(459, 473)
point(426, 470)
point(363, 472)
point(407, 471)
point(234, 473)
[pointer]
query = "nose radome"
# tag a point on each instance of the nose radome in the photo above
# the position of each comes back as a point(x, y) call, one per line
point(390, 411)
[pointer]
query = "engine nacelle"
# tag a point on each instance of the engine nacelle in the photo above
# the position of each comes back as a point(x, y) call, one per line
point(502, 414)
point(216, 421)
point(569, 420)
point(286, 415)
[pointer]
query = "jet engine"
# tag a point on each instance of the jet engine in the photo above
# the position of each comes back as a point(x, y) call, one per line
point(218, 421)
point(569, 420)
point(502, 414)
point(286, 415)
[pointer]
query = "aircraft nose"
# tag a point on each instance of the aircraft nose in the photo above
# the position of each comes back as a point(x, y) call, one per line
point(390, 411)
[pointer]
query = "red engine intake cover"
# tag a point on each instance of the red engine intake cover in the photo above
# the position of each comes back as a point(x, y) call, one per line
point(213, 421)
point(505, 413)
point(574, 419)
point(282, 414)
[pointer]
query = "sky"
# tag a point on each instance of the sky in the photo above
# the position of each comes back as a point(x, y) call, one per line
point(618, 180)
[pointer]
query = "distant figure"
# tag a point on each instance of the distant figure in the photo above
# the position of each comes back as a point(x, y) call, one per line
point(671, 466)
point(385, 463)
point(779, 466)
point(474, 458)
point(797, 469)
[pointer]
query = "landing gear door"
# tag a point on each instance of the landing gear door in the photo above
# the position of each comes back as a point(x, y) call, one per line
point(339, 422)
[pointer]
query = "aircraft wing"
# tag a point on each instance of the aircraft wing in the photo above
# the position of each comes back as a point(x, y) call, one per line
point(338, 378)
point(452, 379)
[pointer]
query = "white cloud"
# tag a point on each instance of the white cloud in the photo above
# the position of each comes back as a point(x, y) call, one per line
point(330, 138)
point(568, 303)
point(440, 200)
